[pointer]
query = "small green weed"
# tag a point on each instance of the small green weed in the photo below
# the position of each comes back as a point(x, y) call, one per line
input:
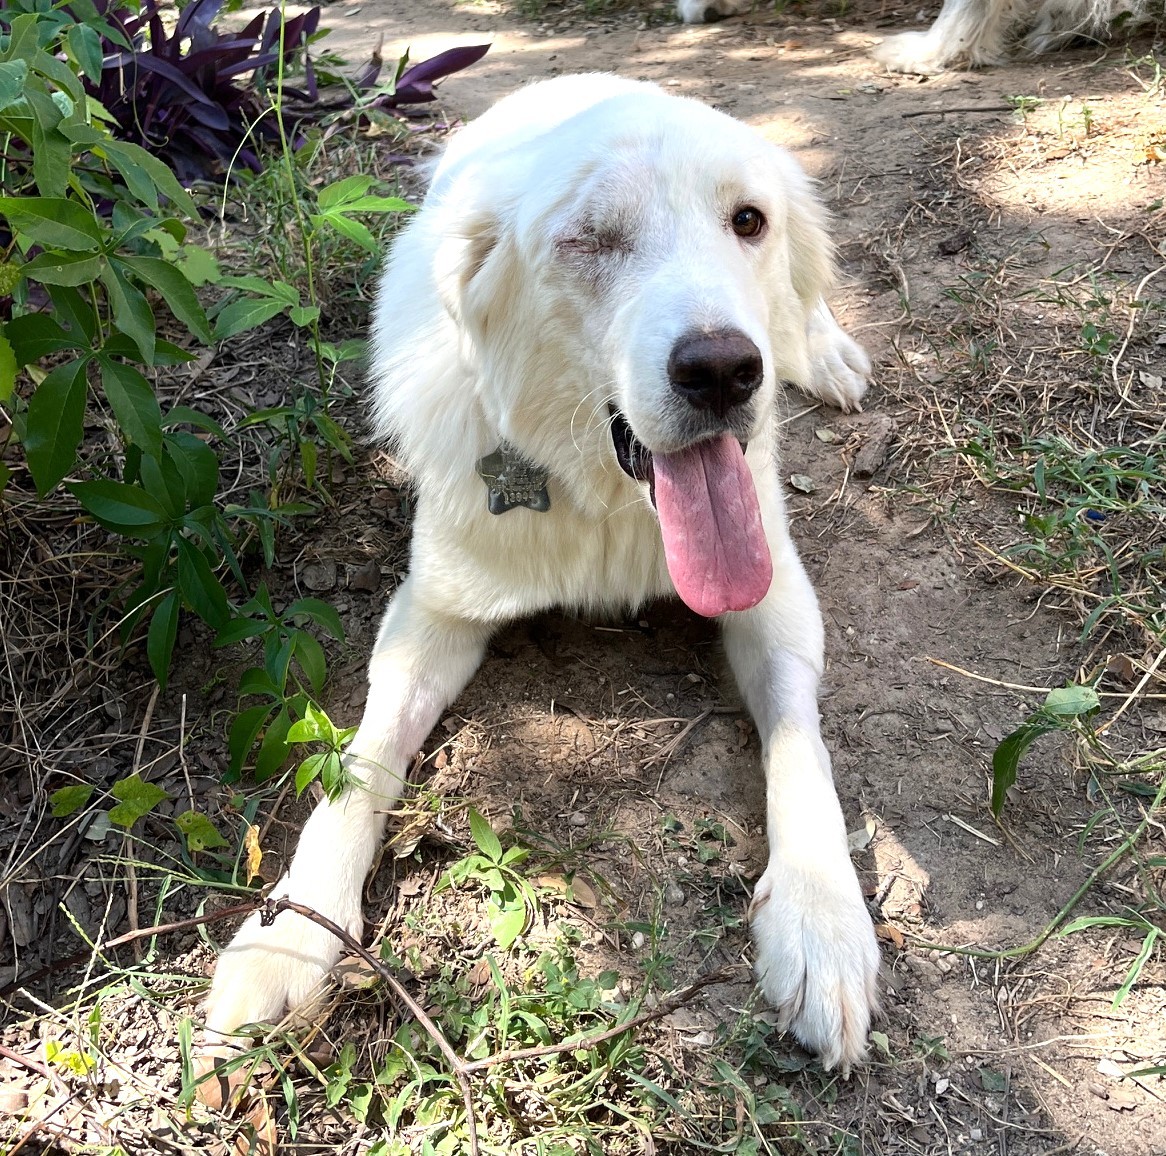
point(512, 899)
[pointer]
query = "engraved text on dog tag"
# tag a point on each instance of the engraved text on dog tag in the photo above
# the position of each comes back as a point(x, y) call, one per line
point(512, 481)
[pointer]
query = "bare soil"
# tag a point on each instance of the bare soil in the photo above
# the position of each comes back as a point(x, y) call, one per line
point(953, 218)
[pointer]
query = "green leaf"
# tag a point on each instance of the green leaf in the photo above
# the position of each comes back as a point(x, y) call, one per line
point(1136, 967)
point(197, 463)
point(310, 655)
point(57, 268)
point(13, 74)
point(124, 509)
point(131, 397)
point(55, 423)
point(309, 769)
point(69, 800)
point(77, 314)
point(378, 205)
point(1060, 707)
point(1071, 701)
point(314, 727)
point(339, 192)
point(507, 924)
point(200, 833)
point(319, 612)
point(239, 316)
point(54, 222)
point(244, 731)
point(355, 231)
point(123, 153)
point(161, 635)
point(201, 590)
point(176, 290)
point(199, 266)
point(304, 315)
point(135, 798)
point(8, 368)
point(36, 335)
point(273, 751)
point(131, 311)
point(484, 837)
point(84, 46)
point(51, 151)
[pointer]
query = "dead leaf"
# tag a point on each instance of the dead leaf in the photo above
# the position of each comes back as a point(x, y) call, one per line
point(480, 973)
point(254, 851)
point(857, 840)
point(1122, 668)
point(891, 935)
point(803, 483)
point(258, 1136)
point(553, 882)
point(355, 972)
point(582, 894)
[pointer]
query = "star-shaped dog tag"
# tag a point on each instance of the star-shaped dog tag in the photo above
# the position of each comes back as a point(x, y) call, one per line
point(512, 481)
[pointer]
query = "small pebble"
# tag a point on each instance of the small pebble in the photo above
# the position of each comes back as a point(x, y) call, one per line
point(577, 819)
point(638, 941)
point(674, 895)
point(976, 1133)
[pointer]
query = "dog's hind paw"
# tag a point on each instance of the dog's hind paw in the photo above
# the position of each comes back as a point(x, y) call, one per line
point(817, 958)
point(915, 53)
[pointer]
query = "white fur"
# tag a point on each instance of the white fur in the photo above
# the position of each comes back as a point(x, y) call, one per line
point(569, 237)
point(979, 32)
point(971, 32)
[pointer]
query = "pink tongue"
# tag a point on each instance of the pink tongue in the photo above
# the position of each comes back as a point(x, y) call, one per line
point(714, 541)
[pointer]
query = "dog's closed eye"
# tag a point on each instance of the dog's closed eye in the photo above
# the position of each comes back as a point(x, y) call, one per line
point(588, 241)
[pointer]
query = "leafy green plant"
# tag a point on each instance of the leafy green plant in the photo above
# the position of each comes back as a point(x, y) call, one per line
point(292, 676)
point(1063, 710)
point(512, 899)
point(326, 765)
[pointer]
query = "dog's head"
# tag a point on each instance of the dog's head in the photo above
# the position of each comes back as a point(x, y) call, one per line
point(634, 282)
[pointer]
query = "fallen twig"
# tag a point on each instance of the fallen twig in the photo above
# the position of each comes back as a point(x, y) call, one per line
point(958, 108)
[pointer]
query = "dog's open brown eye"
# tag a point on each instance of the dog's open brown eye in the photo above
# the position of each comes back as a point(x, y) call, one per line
point(748, 222)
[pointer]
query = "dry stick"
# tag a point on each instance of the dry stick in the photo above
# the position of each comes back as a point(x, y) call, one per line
point(959, 108)
point(1020, 686)
point(665, 1007)
point(27, 1062)
point(128, 844)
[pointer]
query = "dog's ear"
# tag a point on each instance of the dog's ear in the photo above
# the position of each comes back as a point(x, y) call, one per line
point(811, 252)
point(475, 270)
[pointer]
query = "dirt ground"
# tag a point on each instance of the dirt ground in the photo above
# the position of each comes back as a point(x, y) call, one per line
point(952, 212)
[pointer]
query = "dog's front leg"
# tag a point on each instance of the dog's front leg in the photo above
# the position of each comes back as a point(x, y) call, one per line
point(422, 659)
point(817, 957)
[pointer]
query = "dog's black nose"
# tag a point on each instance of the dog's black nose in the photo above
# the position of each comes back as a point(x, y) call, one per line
point(715, 371)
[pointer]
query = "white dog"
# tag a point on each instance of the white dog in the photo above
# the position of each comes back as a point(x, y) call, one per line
point(972, 32)
point(576, 352)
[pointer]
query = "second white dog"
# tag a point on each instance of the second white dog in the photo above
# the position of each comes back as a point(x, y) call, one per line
point(972, 33)
point(577, 351)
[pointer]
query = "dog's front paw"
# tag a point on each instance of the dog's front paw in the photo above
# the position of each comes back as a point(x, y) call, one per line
point(839, 367)
point(817, 957)
point(268, 969)
point(841, 371)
